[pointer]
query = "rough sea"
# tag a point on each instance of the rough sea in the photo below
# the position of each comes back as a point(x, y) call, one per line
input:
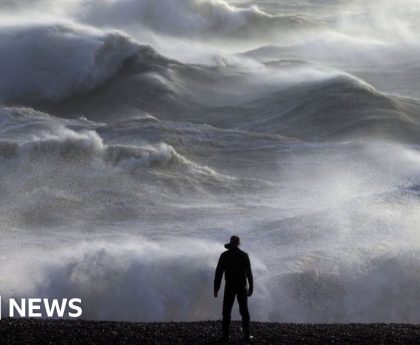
point(136, 136)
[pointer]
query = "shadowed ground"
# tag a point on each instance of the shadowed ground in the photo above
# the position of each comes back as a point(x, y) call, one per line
point(25, 331)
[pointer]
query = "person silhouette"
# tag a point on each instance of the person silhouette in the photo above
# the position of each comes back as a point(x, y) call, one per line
point(236, 266)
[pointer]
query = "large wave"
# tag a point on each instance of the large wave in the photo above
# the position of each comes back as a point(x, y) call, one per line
point(276, 98)
point(55, 60)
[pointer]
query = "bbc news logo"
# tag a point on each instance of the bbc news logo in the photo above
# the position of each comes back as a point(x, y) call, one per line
point(41, 307)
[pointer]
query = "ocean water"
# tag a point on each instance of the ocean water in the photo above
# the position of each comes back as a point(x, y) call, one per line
point(136, 136)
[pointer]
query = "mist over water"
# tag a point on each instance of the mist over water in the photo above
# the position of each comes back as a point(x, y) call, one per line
point(137, 135)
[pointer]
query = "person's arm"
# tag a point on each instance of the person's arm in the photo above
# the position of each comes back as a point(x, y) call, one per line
point(249, 276)
point(218, 275)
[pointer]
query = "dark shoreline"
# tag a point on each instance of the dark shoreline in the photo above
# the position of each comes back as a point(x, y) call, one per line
point(24, 331)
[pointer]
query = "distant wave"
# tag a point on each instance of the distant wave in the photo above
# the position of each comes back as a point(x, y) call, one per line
point(195, 18)
point(208, 19)
point(54, 60)
point(43, 139)
point(66, 146)
point(319, 104)
point(339, 107)
point(70, 70)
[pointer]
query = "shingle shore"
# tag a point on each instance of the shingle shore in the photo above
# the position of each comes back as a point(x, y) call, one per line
point(24, 331)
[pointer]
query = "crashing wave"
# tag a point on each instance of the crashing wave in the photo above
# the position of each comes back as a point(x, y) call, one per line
point(50, 140)
point(56, 60)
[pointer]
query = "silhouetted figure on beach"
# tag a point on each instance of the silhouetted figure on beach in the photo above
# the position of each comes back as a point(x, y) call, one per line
point(237, 268)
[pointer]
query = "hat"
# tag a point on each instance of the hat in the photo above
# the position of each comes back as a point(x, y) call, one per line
point(234, 242)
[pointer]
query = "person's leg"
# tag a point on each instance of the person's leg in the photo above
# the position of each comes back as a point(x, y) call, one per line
point(243, 310)
point(228, 300)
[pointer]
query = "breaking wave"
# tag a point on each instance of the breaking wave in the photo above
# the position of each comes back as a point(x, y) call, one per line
point(197, 19)
point(332, 105)
point(56, 60)
point(137, 279)
point(64, 145)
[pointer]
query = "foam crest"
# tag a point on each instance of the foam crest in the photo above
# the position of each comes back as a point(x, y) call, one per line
point(57, 143)
point(183, 18)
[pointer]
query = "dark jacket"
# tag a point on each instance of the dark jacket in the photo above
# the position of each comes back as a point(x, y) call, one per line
point(237, 268)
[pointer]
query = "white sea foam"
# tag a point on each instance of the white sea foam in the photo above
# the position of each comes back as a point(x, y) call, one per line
point(126, 279)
